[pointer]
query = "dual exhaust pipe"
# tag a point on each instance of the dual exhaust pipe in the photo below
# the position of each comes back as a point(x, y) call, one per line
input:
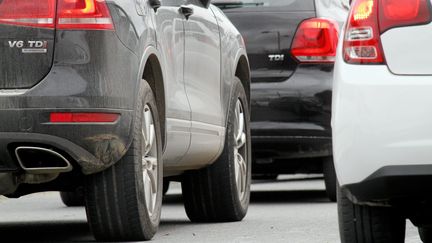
point(37, 160)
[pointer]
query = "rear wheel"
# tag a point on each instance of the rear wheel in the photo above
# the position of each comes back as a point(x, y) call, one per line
point(221, 192)
point(330, 178)
point(365, 224)
point(73, 199)
point(123, 203)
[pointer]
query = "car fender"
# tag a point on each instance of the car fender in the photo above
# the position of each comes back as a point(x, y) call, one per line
point(228, 89)
point(149, 51)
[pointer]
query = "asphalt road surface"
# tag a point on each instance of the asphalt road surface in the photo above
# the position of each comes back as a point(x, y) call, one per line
point(289, 210)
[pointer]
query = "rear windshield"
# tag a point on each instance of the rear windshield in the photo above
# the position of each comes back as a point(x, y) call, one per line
point(295, 4)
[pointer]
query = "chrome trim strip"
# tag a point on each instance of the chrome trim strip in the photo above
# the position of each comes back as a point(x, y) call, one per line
point(12, 92)
point(30, 20)
point(85, 21)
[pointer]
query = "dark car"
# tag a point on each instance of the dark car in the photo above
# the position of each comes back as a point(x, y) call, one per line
point(291, 47)
point(106, 99)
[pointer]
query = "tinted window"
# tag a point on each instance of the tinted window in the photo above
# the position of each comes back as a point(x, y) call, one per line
point(293, 4)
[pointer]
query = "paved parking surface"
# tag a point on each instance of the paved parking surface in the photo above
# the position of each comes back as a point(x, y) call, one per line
point(290, 210)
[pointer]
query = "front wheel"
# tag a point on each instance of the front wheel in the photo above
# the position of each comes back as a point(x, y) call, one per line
point(221, 192)
point(123, 203)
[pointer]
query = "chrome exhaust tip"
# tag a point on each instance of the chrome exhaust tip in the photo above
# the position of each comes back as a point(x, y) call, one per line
point(36, 160)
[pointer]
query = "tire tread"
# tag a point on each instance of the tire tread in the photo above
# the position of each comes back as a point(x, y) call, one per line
point(368, 224)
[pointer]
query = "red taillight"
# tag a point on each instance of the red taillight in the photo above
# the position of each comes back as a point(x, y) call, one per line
point(83, 14)
point(395, 13)
point(368, 19)
point(70, 117)
point(28, 13)
point(316, 40)
point(362, 43)
point(71, 14)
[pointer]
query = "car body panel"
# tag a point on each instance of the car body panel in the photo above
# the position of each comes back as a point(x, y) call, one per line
point(232, 45)
point(170, 22)
point(27, 62)
point(103, 72)
point(80, 81)
point(379, 119)
point(269, 40)
point(202, 74)
point(291, 120)
point(202, 71)
point(408, 57)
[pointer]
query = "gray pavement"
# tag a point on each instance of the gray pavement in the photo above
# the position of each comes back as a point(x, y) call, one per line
point(289, 210)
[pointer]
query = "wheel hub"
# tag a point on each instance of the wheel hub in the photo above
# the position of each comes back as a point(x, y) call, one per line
point(149, 160)
point(240, 151)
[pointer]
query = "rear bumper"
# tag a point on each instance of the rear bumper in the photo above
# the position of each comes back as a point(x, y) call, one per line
point(393, 183)
point(94, 147)
point(289, 154)
point(291, 119)
point(86, 78)
point(291, 147)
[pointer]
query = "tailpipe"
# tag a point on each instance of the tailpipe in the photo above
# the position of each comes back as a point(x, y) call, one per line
point(38, 160)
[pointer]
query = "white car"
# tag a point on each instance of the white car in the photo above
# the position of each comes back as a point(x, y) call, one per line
point(382, 122)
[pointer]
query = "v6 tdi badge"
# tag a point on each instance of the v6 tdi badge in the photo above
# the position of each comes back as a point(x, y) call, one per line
point(30, 46)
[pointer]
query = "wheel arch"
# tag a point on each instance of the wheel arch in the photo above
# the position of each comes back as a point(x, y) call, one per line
point(238, 68)
point(242, 72)
point(151, 70)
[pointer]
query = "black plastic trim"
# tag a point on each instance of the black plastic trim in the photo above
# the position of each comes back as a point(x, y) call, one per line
point(393, 183)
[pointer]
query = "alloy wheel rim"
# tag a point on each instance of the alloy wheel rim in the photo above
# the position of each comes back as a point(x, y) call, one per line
point(149, 160)
point(240, 150)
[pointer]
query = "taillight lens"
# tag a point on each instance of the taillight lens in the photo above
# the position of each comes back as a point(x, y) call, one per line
point(83, 14)
point(31, 13)
point(368, 19)
point(316, 40)
point(394, 13)
point(362, 43)
point(71, 14)
point(71, 117)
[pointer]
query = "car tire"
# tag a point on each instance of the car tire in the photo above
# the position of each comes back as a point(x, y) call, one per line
point(123, 203)
point(330, 179)
point(365, 224)
point(425, 234)
point(73, 199)
point(221, 192)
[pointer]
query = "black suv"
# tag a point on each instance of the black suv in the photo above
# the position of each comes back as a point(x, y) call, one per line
point(114, 96)
point(291, 47)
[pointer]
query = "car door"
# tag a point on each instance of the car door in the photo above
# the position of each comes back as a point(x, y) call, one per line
point(202, 79)
point(202, 63)
point(171, 41)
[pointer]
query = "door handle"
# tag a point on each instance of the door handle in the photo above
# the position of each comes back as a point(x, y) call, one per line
point(186, 11)
point(155, 4)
